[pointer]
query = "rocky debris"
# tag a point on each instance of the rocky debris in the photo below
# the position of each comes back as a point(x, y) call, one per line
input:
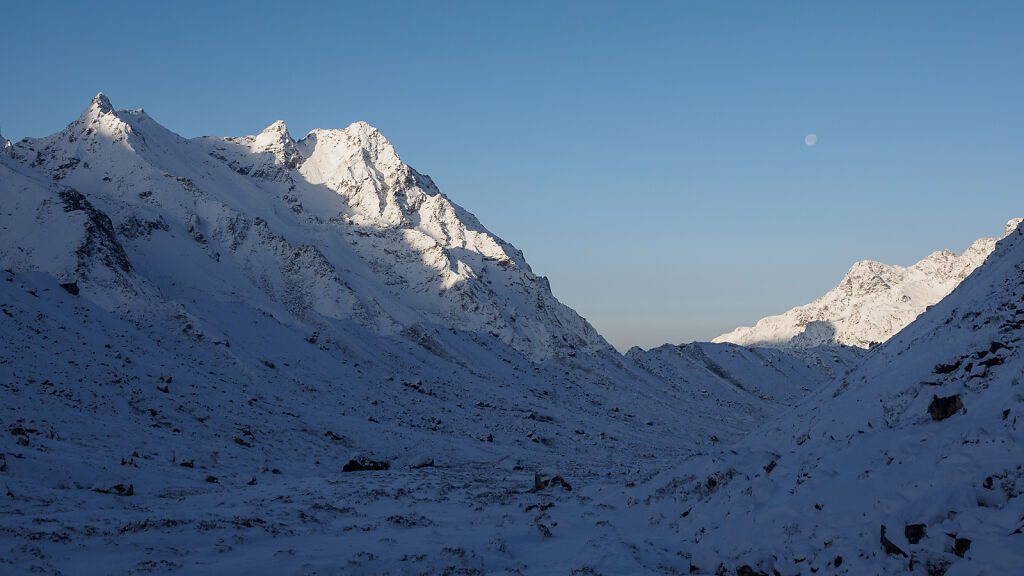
point(942, 408)
point(363, 464)
point(71, 288)
point(946, 368)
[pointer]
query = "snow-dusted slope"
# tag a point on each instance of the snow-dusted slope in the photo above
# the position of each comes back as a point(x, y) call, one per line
point(873, 302)
point(750, 385)
point(924, 440)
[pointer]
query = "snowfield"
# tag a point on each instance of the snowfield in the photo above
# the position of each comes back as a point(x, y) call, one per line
point(259, 355)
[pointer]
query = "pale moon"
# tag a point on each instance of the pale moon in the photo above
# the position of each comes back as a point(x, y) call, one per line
point(811, 139)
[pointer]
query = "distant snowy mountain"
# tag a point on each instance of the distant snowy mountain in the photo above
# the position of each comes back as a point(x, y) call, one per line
point(873, 302)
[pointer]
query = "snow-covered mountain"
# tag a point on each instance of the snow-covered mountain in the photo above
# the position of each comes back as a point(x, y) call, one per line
point(258, 355)
point(331, 228)
point(189, 319)
point(873, 302)
point(909, 464)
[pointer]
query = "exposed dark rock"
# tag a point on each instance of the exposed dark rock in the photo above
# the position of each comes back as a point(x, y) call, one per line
point(117, 490)
point(889, 547)
point(914, 532)
point(330, 434)
point(993, 361)
point(946, 368)
point(559, 481)
point(363, 464)
point(748, 571)
point(100, 240)
point(71, 288)
point(942, 408)
point(961, 546)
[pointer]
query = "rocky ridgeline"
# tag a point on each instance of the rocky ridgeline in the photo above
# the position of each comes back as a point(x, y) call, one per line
point(872, 303)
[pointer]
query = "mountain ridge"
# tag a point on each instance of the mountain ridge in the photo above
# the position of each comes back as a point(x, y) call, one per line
point(870, 304)
point(334, 180)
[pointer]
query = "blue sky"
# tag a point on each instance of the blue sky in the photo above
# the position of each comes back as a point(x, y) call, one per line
point(649, 158)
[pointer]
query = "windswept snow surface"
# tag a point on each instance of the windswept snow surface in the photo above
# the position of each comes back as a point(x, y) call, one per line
point(873, 302)
point(199, 335)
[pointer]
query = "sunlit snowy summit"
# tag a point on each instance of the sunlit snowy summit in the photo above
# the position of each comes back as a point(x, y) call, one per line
point(873, 302)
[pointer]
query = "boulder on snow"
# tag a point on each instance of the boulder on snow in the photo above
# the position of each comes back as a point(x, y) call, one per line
point(363, 464)
point(942, 408)
point(914, 532)
point(889, 547)
point(961, 546)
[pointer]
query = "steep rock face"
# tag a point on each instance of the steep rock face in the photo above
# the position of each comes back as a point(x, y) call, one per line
point(873, 302)
point(332, 227)
point(55, 229)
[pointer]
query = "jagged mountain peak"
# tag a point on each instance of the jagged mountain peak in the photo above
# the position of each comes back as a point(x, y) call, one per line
point(276, 132)
point(101, 104)
point(99, 109)
point(1012, 225)
point(358, 139)
point(333, 227)
point(99, 121)
point(871, 303)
